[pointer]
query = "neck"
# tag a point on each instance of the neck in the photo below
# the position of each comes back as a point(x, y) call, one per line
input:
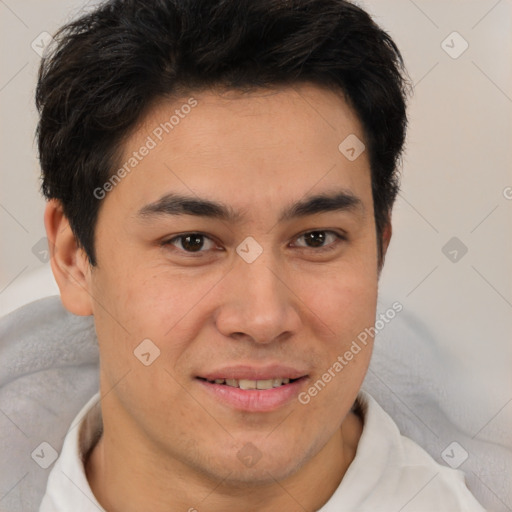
point(144, 480)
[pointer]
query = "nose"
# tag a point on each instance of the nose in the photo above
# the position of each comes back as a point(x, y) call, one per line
point(257, 302)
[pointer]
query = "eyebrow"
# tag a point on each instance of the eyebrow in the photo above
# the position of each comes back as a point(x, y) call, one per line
point(177, 204)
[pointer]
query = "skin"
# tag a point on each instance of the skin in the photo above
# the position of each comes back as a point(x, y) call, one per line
point(167, 444)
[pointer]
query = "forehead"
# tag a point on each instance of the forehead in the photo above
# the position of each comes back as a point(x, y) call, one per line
point(256, 148)
point(245, 119)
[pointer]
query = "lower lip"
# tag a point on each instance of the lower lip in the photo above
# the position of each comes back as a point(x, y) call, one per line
point(254, 400)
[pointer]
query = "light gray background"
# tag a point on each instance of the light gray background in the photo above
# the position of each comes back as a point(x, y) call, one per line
point(456, 172)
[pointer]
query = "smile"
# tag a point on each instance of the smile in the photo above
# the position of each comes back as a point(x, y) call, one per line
point(252, 384)
point(254, 395)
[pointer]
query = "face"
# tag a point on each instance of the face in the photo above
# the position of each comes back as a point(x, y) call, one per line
point(272, 279)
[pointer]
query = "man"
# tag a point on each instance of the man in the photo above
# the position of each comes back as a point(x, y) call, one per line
point(220, 178)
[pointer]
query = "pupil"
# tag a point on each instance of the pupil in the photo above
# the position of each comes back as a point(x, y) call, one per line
point(317, 238)
point(192, 242)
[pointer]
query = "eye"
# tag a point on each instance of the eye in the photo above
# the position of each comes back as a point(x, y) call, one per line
point(191, 242)
point(197, 243)
point(318, 239)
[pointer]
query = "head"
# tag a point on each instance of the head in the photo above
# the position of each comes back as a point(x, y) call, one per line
point(218, 122)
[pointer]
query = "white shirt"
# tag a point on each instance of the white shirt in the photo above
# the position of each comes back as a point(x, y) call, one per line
point(389, 473)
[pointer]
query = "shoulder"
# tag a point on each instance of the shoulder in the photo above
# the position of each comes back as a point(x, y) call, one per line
point(392, 472)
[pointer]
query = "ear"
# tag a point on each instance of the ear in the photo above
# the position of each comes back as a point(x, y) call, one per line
point(385, 239)
point(70, 265)
point(386, 236)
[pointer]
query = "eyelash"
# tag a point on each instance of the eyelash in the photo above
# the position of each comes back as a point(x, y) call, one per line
point(323, 249)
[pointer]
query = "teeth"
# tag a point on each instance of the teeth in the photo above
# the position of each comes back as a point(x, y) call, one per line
point(247, 384)
point(253, 384)
point(264, 384)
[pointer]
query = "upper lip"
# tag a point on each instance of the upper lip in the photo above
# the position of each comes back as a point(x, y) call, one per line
point(248, 372)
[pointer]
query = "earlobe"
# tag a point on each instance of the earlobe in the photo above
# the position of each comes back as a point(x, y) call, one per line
point(69, 262)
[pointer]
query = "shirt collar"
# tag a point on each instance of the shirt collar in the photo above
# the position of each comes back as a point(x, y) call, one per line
point(68, 487)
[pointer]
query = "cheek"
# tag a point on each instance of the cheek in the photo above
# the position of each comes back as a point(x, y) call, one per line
point(344, 304)
point(161, 300)
point(344, 301)
point(345, 313)
point(155, 303)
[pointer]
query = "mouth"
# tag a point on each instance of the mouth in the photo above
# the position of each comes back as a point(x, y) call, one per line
point(254, 391)
point(253, 384)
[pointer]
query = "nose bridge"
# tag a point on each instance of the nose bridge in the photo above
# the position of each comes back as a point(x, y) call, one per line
point(257, 303)
point(262, 286)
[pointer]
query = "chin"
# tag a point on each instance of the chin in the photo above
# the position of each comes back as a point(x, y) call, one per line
point(250, 467)
point(259, 475)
